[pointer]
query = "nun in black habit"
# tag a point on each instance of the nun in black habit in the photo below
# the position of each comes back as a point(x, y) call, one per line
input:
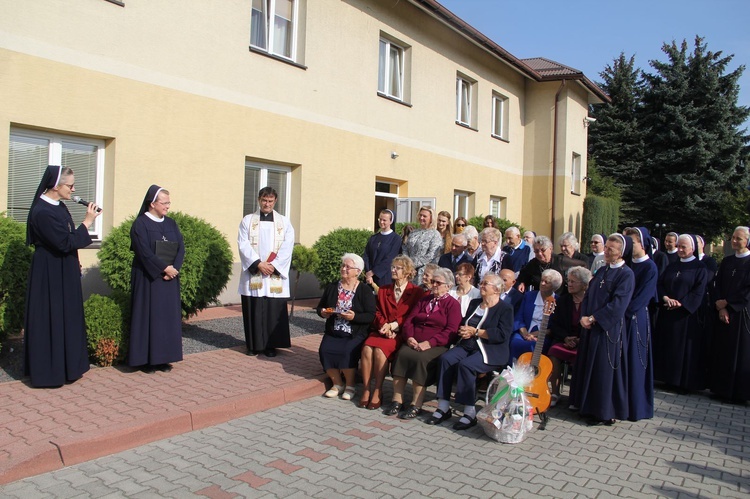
point(730, 356)
point(679, 343)
point(599, 385)
point(55, 329)
point(159, 250)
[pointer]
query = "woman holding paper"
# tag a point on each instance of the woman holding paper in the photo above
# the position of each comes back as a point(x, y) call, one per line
point(156, 313)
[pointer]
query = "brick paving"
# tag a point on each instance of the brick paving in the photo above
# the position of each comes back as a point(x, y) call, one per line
point(222, 424)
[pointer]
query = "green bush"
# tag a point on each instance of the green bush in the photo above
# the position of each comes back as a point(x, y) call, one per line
point(205, 271)
point(331, 247)
point(600, 216)
point(105, 329)
point(502, 224)
point(15, 260)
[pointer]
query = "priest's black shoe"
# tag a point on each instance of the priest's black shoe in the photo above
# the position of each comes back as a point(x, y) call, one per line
point(465, 426)
point(270, 352)
point(251, 353)
point(439, 416)
point(165, 368)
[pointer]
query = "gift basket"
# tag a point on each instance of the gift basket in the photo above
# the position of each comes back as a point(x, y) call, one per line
point(507, 415)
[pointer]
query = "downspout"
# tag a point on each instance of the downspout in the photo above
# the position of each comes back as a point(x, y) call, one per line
point(554, 162)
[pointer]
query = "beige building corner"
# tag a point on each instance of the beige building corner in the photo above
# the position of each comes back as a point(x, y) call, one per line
point(345, 106)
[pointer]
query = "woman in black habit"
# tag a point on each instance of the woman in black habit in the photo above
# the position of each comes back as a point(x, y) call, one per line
point(156, 320)
point(55, 329)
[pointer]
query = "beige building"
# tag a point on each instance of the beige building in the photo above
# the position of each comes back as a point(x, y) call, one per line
point(345, 106)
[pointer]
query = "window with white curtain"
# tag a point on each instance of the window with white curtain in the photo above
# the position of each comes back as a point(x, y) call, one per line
point(30, 152)
point(499, 116)
point(259, 175)
point(463, 101)
point(391, 69)
point(273, 27)
point(575, 174)
point(497, 206)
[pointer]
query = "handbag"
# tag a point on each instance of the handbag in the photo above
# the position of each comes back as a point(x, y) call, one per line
point(166, 251)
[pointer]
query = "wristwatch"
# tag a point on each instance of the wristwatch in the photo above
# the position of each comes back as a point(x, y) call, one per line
point(592, 319)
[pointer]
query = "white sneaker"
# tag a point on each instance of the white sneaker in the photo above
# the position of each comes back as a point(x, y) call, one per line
point(348, 393)
point(334, 392)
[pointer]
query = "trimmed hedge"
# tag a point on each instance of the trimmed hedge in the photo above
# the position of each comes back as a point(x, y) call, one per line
point(15, 261)
point(600, 216)
point(332, 246)
point(205, 271)
point(105, 329)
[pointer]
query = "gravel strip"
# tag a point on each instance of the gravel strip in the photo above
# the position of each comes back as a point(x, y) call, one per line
point(197, 337)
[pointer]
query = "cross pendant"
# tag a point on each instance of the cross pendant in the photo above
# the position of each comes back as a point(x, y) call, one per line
point(677, 274)
point(601, 283)
point(733, 271)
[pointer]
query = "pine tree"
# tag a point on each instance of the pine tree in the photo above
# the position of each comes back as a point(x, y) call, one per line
point(695, 151)
point(616, 141)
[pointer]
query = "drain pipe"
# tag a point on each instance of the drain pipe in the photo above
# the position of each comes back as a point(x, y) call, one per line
point(554, 163)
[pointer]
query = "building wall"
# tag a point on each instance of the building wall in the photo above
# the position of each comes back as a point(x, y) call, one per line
point(181, 102)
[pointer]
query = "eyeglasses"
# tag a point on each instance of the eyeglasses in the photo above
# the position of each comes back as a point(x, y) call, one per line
point(437, 283)
point(69, 186)
point(168, 203)
point(396, 267)
point(348, 268)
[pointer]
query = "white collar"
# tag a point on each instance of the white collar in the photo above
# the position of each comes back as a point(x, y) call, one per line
point(599, 254)
point(688, 259)
point(48, 199)
point(641, 259)
point(672, 252)
point(616, 265)
point(386, 232)
point(152, 217)
point(742, 255)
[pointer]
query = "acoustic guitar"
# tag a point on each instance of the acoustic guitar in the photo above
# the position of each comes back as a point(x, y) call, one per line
point(538, 391)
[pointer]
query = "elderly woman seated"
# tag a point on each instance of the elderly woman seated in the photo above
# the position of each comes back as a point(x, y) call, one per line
point(531, 313)
point(427, 331)
point(565, 327)
point(482, 347)
point(349, 308)
point(394, 303)
point(464, 291)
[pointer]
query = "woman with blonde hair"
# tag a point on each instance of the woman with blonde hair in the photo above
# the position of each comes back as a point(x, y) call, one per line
point(444, 227)
point(425, 244)
point(394, 302)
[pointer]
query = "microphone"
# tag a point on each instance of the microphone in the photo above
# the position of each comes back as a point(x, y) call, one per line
point(78, 200)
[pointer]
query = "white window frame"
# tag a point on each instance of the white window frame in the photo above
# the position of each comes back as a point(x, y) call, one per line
point(499, 116)
point(498, 206)
point(464, 98)
point(285, 207)
point(386, 49)
point(461, 203)
point(407, 209)
point(55, 153)
point(575, 174)
point(267, 15)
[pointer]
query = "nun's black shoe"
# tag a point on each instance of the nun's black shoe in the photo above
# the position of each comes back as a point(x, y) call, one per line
point(465, 426)
point(165, 368)
point(439, 416)
point(270, 352)
point(251, 353)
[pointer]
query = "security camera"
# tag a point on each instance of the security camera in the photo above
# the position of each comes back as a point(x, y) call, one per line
point(394, 155)
point(589, 119)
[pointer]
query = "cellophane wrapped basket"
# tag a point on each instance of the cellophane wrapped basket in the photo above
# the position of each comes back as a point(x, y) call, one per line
point(507, 416)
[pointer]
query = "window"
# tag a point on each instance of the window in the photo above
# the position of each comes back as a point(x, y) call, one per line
point(497, 206)
point(31, 152)
point(273, 27)
point(407, 209)
point(461, 201)
point(499, 116)
point(391, 69)
point(575, 174)
point(465, 101)
point(259, 175)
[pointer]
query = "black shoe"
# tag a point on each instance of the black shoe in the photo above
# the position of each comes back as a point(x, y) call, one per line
point(148, 369)
point(165, 368)
point(270, 352)
point(411, 412)
point(251, 353)
point(439, 416)
point(465, 426)
point(393, 409)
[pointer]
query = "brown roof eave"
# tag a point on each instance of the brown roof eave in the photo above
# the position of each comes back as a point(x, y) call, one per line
point(449, 18)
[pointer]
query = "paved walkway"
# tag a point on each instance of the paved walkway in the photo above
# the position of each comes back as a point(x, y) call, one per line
point(222, 424)
point(330, 448)
point(112, 409)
